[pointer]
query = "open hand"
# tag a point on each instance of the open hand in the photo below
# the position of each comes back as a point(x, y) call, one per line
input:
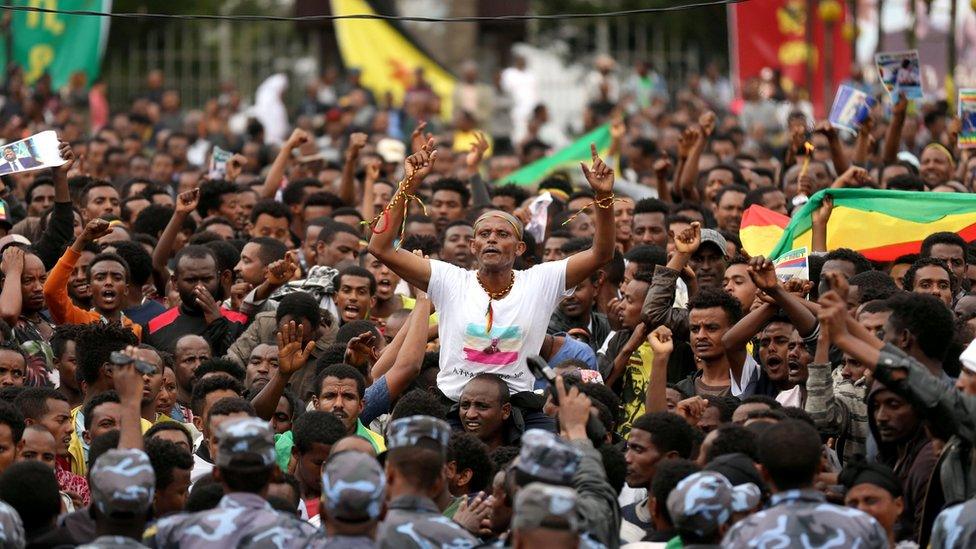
point(291, 356)
point(477, 152)
point(207, 303)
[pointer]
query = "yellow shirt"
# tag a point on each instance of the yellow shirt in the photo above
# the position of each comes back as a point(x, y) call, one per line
point(78, 448)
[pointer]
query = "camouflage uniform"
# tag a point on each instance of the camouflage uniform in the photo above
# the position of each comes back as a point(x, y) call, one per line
point(955, 527)
point(123, 484)
point(353, 490)
point(415, 521)
point(550, 459)
point(239, 516)
point(805, 515)
point(11, 528)
point(541, 505)
point(703, 502)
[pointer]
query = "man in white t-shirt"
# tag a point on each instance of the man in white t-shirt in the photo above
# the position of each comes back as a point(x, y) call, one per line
point(493, 317)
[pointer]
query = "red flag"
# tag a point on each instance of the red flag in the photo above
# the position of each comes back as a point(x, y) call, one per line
point(773, 34)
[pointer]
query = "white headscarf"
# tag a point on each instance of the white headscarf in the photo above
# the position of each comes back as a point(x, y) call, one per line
point(270, 110)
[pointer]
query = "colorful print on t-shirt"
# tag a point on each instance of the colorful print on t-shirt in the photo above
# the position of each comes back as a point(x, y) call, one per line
point(498, 348)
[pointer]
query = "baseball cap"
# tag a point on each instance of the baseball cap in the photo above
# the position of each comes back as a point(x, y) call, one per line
point(547, 457)
point(353, 487)
point(713, 236)
point(702, 502)
point(392, 150)
point(408, 432)
point(122, 483)
point(246, 438)
point(541, 505)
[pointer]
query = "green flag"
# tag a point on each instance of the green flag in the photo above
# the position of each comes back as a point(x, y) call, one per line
point(567, 157)
point(59, 44)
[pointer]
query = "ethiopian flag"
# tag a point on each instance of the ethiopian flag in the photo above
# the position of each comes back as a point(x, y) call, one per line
point(567, 157)
point(386, 56)
point(882, 224)
point(761, 229)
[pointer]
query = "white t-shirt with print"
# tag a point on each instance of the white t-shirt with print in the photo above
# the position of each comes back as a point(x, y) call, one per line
point(518, 328)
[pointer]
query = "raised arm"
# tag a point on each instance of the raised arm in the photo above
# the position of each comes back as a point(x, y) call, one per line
point(277, 170)
point(819, 224)
point(291, 359)
point(689, 173)
point(129, 384)
point(415, 270)
point(347, 183)
point(407, 362)
point(892, 140)
point(662, 344)
point(60, 224)
point(11, 298)
point(186, 203)
point(366, 206)
point(472, 161)
point(763, 274)
point(865, 138)
point(585, 263)
point(840, 160)
point(56, 286)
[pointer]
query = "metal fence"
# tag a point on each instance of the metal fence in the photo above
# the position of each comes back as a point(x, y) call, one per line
point(197, 56)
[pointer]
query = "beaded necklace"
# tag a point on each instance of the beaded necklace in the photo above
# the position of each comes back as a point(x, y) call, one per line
point(490, 313)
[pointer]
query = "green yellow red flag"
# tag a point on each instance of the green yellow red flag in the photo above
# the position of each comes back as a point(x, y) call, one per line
point(882, 224)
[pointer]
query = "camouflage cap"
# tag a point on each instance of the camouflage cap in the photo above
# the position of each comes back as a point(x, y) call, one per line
point(704, 501)
point(11, 528)
point(955, 527)
point(243, 438)
point(409, 431)
point(353, 487)
point(541, 505)
point(547, 457)
point(122, 483)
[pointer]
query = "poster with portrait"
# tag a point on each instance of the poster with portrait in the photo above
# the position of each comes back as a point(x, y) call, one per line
point(967, 115)
point(37, 151)
point(851, 108)
point(218, 163)
point(900, 73)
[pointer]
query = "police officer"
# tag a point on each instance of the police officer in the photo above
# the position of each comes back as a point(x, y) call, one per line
point(353, 491)
point(122, 487)
point(244, 466)
point(703, 504)
point(545, 516)
point(417, 449)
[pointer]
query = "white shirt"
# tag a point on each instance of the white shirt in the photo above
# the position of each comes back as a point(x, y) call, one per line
point(518, 329)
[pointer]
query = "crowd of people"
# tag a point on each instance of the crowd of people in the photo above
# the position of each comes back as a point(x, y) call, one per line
point(361, 334)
